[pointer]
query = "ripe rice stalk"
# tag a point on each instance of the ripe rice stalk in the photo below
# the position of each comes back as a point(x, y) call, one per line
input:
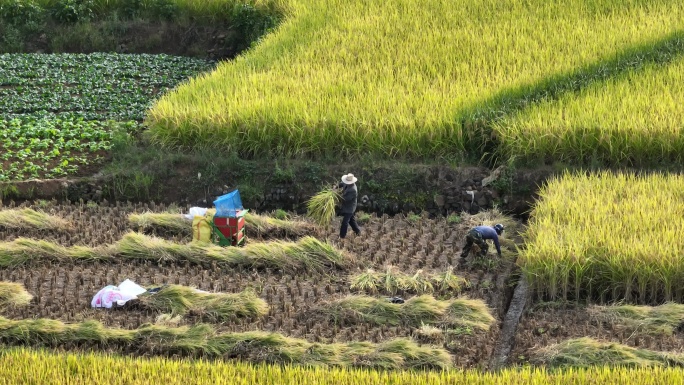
point(220, 307)
point(13, 295)
point(322, 253)
point(27, 219)
point(168, 320)
point(586, 352)
point(357, 308)
point(26, 365)
point(306, 254)
point(394, 280)
point(448, 281)
point(587, 239)
point(415, 312)
point(423, 309)
point(255, 225)
point(422, 283)
point(644, 131)
point(24, 250)
point(139, 246)
point(418, 357)
point(373, 358)
point(321, 207)
point(661, 320)
point(367, 281)
point(429, 333)
point(202, 340)
point(469, 312)
point(490, 218)
point(175, 223)
point(264, 225)
point(354, 102)
point(226, 306)
point(391, 280)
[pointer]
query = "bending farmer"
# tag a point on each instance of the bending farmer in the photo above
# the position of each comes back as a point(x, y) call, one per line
point(349, 194)
point(478, 235)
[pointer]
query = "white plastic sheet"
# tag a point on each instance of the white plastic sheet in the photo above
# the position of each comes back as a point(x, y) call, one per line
point(129, 287)
point(110, 294)
point(195, 212)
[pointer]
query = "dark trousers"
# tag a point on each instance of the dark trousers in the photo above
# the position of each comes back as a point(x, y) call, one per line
point(348, 220)
point(474, 237)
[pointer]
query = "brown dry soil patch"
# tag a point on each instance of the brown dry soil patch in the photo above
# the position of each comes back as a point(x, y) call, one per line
point(541, 326)
point(64, 290)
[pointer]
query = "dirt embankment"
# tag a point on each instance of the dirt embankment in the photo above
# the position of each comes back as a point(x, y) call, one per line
point(140, 37)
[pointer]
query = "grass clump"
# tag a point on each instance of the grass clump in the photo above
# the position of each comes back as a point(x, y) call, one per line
point(391, 280)
point(181, 300)
point(204, 341)
point(13, 295)
point(653, 320)
point(28, 219)
point(321, 207)
point(454, 219)
point(586, 352)
point(363, 217)
point(415, 312)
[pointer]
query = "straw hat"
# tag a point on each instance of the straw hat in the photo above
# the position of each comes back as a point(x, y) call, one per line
point(349, 179)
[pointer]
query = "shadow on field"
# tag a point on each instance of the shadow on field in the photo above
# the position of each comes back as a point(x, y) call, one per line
point(478, 120)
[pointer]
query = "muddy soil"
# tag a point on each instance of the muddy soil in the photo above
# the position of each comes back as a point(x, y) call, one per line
point(64, 290)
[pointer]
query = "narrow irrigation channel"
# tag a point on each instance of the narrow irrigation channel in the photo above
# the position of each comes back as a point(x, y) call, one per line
point(506, 340)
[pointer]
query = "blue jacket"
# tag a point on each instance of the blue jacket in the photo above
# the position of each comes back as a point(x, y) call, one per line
point(488, 232)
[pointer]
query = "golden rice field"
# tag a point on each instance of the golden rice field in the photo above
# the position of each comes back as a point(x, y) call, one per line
point(21, 366)
point(633, 118)
point(607, 236)
point(412, 78)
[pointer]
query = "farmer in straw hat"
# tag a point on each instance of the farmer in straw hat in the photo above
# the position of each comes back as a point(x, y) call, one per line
point(478, 236)
point(349, 195)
